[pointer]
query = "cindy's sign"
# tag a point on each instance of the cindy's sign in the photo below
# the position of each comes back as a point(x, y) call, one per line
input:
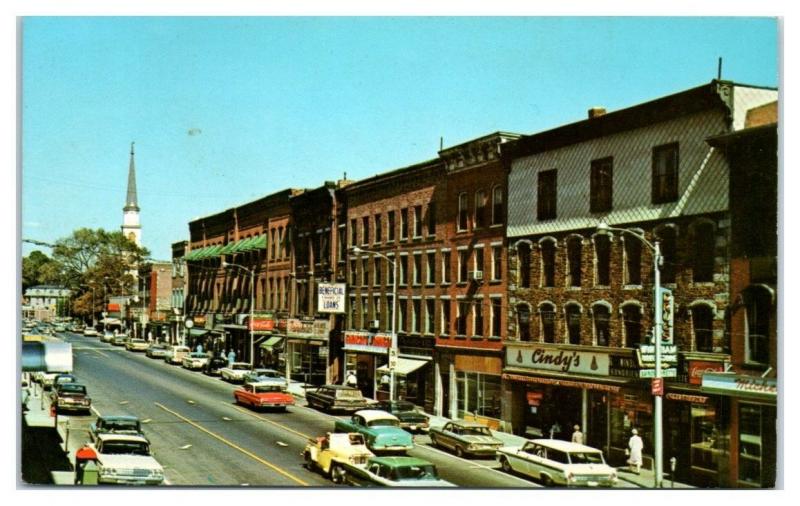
point(553, 358)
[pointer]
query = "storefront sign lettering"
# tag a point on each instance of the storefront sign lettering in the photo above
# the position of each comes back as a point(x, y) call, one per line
point(694, 399)
point(331, 297)
point(735, 383)
point(555, 359)
point(697, 368)
point(263, 322)
point(306, 329)
point(561, 382)
point(367, 342)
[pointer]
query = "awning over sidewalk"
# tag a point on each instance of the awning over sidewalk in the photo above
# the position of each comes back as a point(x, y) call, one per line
point(197, 332)
point(272, 342)
point(405, 366)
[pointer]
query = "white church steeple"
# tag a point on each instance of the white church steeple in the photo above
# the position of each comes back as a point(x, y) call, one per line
point(130, 217)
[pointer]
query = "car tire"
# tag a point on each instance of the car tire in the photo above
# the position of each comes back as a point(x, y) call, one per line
point(309, 464)
point(547, 481)
point(459, 452)
point(337, 473)
point(506, 465)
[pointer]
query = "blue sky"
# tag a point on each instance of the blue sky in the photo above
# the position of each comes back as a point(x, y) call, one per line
point(225, 110)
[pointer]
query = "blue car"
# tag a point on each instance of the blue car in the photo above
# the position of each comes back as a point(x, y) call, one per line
point(381, 430)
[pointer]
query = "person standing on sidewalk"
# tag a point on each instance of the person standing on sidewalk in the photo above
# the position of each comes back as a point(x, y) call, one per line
point(577, 436)
point(635, 446)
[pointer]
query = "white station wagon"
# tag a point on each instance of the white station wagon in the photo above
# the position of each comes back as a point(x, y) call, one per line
point(556, 462)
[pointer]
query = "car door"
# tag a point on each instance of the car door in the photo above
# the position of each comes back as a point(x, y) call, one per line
point(448, 435)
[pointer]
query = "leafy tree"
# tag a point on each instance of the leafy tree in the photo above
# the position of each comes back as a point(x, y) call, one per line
point(38, 269)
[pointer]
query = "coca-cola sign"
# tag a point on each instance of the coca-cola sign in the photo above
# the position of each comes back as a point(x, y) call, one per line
point(699, 367)
point(555, 358)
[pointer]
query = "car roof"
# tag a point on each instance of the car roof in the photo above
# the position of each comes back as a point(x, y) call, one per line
point(339, 387)
point(123, 437)
point(240, 363)
point(375, 414)
point(467, 423)
point(564, 446)
point(116, 418)
point(265, 383)
point(401, 461)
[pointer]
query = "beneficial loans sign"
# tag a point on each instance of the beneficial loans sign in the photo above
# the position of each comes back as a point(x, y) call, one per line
point(330, 297)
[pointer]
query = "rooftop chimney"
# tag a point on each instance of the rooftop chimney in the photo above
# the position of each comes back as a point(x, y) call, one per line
point(596, 112)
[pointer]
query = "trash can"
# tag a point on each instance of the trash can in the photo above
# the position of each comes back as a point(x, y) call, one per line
point(90, 473)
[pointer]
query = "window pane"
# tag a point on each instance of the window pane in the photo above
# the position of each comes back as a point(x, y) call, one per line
point(548, 249)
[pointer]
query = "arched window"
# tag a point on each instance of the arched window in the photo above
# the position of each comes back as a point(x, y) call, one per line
point(758, 306)
point(547, 249)
point(524, 256)
point(574, 264)
point(547, 316)
point(703, 252)
point(462, 211)
point(524, 322)
point(667, 236)
point(572, 313)
point(480, 209)
point(601, 315)
point(703, 327)
point(632, 322)
point(633, 260)
point(602, 260)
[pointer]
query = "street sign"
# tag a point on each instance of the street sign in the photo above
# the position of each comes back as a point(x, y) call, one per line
point(667, 315)
point(665, 373)
point(669, 353)
point(657, 386)
point(392, 358)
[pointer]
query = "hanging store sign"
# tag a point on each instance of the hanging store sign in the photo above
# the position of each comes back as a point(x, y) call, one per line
point(647, 354)
point(554, 358)
point(304, 329)
point(738, 384)
point(331, 297)
point(560, 382)
point(262, 322)
point(367, 342)
point(667, 316)
point(694, 399)
point(697, 368)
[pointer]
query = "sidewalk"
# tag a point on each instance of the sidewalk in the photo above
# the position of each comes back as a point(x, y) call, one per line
point(645, 479)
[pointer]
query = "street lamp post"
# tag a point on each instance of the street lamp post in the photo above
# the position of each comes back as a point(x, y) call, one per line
point(356, 250)
point(658, 438)
point(252, 303)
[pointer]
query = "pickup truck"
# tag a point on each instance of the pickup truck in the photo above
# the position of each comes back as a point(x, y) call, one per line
point(331, 452)
point(126, 459)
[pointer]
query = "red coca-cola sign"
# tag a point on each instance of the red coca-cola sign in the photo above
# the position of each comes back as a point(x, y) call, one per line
point(699, 367)
point(263, 322)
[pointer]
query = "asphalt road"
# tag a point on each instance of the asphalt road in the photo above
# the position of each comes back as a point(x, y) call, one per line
point(202, 438)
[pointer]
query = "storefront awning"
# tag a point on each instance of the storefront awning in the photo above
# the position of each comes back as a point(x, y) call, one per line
point(272, 342)
point(197, 332)
point(405, 366)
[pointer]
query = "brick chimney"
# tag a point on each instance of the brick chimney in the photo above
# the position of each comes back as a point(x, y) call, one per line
point(596, 112)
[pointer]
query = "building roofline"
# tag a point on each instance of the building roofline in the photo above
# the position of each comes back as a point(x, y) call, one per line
point(727, 138)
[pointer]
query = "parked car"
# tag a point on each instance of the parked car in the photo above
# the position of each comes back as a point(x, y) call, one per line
point(60, 379)
point(115, 424)
point(410, 418)
point(126, 459)
point(234, 372)
point(70, 397)
point(394, 472)
point(195, 360)
point(46, 379)
point(381, 430)
point(556, 462)
point(136, 345)
point(255, 375)
point(175, 354)
point(60, 328)
point(156, 350)
point(465, 438)
point(267, 394)
point(336, 398)
point(107, 337)
point(89, 331)
point(214, 365)
point(118, 340)
point(330, 452)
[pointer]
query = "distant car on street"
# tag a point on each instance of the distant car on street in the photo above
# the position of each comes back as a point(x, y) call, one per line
point(156, 350)
point(60, 328)
point(118, 340)
point(214, 365)
point(89, 331)
point(410, 418)
point(126, 459)
point(336, 398)
point(136, 345)
point(235, 372)
point(175, 354)
point(195, 360)
point(263, 375)
point(556, 462)
point(115, 424)
point(381, 430)
point(70, 397)
point(465, 438)
point(264, 395)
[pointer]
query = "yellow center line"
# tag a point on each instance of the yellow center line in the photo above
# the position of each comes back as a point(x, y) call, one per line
point(234, 446)
point(238, 408)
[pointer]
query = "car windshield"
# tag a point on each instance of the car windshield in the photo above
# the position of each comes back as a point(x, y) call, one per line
point(126, 448)
point(421, 472)
point(197, 354)
point(120, 425)
point(267, 373)
point(586, 458)
point(65, 379)
point(402, 406)
point(72, 388)
point(138, 341)
point(240, 367)
point(260, 389)
point(349, 394)
point(384, 422)
point(476, 431)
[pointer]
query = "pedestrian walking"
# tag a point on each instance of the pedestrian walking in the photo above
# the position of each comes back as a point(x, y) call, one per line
point(634, 451)
point(199, 348)
point(555, 429)
point(577, 435)
point(231, 357)
point(352, 380)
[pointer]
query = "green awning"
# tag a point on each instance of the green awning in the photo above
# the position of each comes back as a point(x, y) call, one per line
point(197, 332)
point(245, 245)
point(212, 251)
point(271, 342)
point(192, 255)
point(260, 242)
point(228, 248)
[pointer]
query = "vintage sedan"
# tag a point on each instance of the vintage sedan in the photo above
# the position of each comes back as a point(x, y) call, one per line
point(556, 462)
point(195, 360)
point(381, 430)
point(264, 394)
point(118, 339)
point(234, 372)
point(156, 350)
point(175, 354)
point(70, 397)
point(336, 398)
point(115, 424)
point(215, 365)
point(136, 345)
point(394, 472)
point(263, 375)
point(410, 418)
point(90, 331)
point(465, 438)
point(126, 459)
point(329, 453)
point(60, 379)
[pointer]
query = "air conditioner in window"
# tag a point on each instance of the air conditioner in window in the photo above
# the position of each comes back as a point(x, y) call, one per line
point(374, 324)
point(476, 275)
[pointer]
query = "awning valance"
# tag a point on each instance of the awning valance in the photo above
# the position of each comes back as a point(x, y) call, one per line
point(404, 367)
point(272, 342)
point(197, 332)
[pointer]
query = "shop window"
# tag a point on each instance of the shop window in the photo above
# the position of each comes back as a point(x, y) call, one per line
point(478, 394)
point(601, 185)
point(602, 260)
point(477, 311)
point(758, 307)
point(497, 205)
point(461, 318)
point(497, 314)
point(665, 173)
point(703, 326)
point(430, 268)
point(445, 267)
point(480, 209)
point(667, 237)
point(546, 195)
point(390, 226)
point(632, 322)
point(524, 255)
point(548, 257)
point(757, 448)
point(462, 212)
point(547, 316)
point(573, 316)
point(523, 322)
point(707, 450)
point(378, 228)
point(404, 224)
point(703, 253)
point(601, 316)
point(574, 255)
point(376, 264)
point(417, 221)
point(633, 260)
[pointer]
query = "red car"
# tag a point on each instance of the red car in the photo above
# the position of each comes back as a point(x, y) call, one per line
point(264, 394)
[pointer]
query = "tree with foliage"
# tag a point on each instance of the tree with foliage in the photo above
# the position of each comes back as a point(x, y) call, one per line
point(38, 269)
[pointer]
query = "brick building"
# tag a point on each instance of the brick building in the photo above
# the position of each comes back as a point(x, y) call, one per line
point(176, 326)
point(155, 285)
point(581, 301)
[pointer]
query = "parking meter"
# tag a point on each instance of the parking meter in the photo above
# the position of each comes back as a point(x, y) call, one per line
point(673, 462)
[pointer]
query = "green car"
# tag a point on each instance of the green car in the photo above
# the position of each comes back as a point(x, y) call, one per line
point(393, 472)
point(381, 430)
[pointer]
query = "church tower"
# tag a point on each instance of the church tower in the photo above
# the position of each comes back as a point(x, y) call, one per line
point(130, 217)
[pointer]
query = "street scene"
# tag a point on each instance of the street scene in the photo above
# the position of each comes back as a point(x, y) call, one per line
point(262, 259)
